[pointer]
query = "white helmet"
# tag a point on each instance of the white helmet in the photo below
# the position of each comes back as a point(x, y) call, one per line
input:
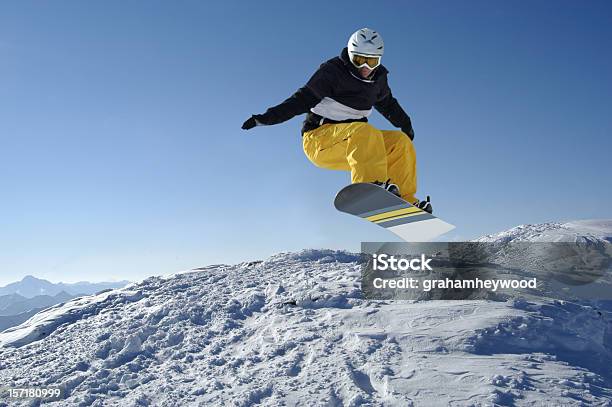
point(366, 42)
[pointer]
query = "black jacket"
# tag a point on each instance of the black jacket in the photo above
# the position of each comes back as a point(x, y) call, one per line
point(339, 80)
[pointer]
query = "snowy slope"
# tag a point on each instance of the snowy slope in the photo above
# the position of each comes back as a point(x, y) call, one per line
point(294, 330)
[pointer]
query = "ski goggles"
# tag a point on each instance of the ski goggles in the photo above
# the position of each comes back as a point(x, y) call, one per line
point(365, 60)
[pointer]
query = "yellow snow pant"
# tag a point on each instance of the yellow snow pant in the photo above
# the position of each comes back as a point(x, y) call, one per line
point(368, 153)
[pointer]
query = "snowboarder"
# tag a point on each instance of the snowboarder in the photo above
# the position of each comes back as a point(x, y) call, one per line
point(336, 134)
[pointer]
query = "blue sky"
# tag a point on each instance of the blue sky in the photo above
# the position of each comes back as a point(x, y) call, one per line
point(121, 153)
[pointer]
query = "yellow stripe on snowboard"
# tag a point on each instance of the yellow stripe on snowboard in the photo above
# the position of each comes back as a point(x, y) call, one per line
point(394, 214)
point(401, 216)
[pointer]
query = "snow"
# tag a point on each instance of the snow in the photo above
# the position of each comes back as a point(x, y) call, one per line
point(294, 330)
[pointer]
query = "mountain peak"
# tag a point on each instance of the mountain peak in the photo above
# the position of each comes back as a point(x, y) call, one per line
point(30, 278)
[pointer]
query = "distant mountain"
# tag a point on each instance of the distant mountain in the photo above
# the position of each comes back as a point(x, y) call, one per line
point(22, 304)
point(6, 300)
point(31, 286)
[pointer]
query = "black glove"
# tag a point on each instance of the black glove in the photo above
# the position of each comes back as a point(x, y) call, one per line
point(409, 132)
point(249, 124)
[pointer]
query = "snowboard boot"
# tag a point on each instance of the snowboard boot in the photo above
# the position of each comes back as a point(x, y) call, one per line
point(424, 205)
point(394, 189)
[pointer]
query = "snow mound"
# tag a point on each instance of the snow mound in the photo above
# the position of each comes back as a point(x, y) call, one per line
point(576, 231)
point(577, 253)
point(294, 329)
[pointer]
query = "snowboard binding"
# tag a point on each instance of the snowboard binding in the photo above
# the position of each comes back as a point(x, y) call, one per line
point(425, 205)
point(394, 189)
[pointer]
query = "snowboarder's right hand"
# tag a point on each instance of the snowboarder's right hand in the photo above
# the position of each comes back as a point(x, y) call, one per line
point(249, 124)
point(409, 132)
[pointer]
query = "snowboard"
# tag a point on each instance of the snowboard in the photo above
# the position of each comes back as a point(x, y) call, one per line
point(379, 206)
